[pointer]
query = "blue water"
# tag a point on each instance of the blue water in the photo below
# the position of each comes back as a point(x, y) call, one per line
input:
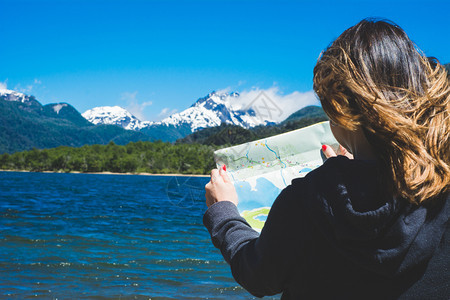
point(85, 236)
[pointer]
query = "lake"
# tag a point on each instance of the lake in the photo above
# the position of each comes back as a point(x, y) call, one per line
point(91, 236)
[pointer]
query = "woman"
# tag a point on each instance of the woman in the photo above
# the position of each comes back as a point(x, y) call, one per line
point(372, 227)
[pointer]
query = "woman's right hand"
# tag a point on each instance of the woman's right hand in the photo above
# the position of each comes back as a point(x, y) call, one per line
point(220, 188)
point(329, 152)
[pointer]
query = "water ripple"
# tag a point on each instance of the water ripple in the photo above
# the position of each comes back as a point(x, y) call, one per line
point(85, 236)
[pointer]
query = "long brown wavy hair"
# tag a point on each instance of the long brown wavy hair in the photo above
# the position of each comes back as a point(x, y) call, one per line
point(374, 77)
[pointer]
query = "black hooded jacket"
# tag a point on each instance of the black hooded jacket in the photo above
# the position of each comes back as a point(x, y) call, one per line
point(334, 234)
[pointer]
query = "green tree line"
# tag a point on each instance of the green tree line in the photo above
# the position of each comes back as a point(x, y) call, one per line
point(135, 157)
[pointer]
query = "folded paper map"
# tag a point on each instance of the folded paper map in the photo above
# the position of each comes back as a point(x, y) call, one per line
point(261, 169)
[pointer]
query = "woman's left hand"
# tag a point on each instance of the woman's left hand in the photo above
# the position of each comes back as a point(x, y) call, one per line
point(329, 152)
point(220, 188)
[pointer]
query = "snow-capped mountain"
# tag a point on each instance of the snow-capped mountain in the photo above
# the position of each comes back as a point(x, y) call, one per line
point(114, 115)
point(28, 103)
point(210, 111)
point(25, 124)
point(10, 95)
point(213, 110)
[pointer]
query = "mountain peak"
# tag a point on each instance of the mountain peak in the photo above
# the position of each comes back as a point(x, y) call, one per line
point(216, 97)
point(114, 115)
point(10, 95)
point(213, 110)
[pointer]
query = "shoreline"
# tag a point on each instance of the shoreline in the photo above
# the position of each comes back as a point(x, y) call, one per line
point(111, 173)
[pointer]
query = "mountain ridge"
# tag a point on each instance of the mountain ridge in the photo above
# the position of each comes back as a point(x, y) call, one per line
point(25, 123)
point(210, 111)
point(226, 134)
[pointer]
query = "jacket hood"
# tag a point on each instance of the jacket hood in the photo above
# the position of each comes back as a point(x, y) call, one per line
point(386, 235)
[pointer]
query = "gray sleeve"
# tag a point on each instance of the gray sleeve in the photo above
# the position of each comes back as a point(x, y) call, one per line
point(229, 231)
point(262, 263)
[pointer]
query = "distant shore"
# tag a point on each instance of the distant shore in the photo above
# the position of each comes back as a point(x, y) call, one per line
point(110, 173)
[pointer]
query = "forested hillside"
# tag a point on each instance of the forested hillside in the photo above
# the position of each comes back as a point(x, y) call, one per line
point(151, 157)
point(192, 155)
point(27, 125)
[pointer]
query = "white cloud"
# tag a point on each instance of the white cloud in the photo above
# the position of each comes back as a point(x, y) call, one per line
point(272, 103)
point(26, 90)
point(166, 112)
point(4, 85)
point(224, 91)
point(29, 87)
point(133, 105)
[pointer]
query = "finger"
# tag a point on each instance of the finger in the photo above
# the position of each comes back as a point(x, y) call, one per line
point(328, 151)
point(208, 186)
point(345, 152)
point(215, 176)
point(224, 175)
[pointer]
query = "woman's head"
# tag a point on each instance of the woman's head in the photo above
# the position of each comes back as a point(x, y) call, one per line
point(372, 77)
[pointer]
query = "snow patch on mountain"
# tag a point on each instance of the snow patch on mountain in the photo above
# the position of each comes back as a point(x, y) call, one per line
point(10, 95)
point(58, 107)
point(114, 115)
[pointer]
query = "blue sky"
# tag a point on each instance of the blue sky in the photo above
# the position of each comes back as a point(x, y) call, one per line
point(157, 57)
